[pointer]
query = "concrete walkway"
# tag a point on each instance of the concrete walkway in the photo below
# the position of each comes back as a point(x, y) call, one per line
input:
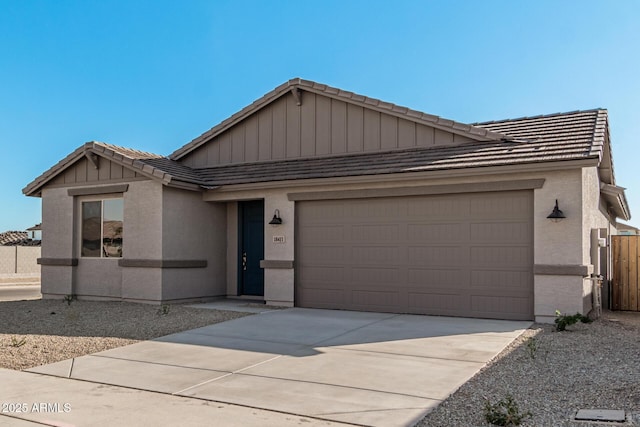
point(346, 367)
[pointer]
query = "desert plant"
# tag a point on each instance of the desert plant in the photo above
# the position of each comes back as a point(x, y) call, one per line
point(505, 412)
point(164, 310)
point(532, 347)
point(15, 342)
point(564, 320)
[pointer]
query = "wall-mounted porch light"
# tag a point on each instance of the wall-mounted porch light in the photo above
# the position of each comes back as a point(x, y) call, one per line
point(557, 214)
point(276, 218)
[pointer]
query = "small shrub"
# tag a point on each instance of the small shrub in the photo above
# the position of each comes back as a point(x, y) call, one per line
point(564, 320)
point(505, 412)
point(532, 347)
point(164, 310)
point(69, 298)
point(15, 342)
point(535, 348)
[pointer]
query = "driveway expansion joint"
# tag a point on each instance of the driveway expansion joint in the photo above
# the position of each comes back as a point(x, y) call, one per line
point(391, 316)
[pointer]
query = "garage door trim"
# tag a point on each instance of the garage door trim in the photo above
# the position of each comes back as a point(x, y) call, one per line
point(425, 190)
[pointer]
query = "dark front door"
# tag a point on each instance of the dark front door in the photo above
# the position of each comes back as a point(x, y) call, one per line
point(251, 245)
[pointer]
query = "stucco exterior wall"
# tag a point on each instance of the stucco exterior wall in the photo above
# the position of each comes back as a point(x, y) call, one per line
point(558, 244)
point(278, 281)
point(58, 232)
point(94, 278)
point(142, 240)
point(193, 230)
point(595, 217)
point(98, 278)
point(232, 248)
point(166, 224)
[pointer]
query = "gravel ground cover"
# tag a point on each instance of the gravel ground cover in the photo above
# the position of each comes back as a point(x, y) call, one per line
point(553, 374)
point(38, 332)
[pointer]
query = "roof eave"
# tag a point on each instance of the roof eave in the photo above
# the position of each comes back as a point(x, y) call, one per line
point(34, 189)
point(530, 167)
point(617, 200)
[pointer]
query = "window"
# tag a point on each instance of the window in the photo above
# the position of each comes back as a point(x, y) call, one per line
point(102, 223)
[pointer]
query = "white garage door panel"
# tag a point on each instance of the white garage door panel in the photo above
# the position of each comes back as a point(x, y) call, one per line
point(463, 255)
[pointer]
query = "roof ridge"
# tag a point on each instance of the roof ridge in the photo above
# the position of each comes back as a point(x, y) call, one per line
point(120, 149)
point(540, 116)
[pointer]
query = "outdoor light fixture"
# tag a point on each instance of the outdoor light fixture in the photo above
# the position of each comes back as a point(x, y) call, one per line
point(276, 218)
point(557, 214)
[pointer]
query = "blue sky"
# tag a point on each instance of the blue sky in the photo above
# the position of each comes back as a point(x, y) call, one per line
point(153, 75)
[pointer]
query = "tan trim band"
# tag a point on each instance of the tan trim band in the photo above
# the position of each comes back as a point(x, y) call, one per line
point(102, 189)
point(266, 263)
point(162, 263)
point(562, 270)
point(478, 187)
point(62, 262)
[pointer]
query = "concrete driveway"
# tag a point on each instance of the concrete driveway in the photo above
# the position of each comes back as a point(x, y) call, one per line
point(347, 367)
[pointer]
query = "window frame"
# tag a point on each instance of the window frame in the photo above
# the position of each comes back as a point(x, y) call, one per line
point(80, 223)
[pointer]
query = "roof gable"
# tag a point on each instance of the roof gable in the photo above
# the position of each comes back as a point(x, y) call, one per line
point(95, 162)
point(311, 119)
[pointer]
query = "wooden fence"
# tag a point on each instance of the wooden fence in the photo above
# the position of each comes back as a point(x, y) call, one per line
point(626, 273)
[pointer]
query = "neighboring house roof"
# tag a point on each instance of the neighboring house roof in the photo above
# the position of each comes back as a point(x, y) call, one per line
point(297, 85)
point(575, 136)
point(17, 238)
point(626, 227)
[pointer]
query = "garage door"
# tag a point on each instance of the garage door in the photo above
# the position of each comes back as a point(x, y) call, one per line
point(468, 255)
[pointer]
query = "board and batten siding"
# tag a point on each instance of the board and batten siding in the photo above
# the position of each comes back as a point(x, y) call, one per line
point(84, 172)
point(320, 126)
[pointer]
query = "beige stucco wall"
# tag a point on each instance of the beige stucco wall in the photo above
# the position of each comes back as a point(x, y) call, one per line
point(58, 233)
point(168, 224)
point(102, 278)
point(193, 230)
point(278, 282)
point(232, 248)
point(595, 216)
point(557, 244)
point(142, 239)
point(160, 224)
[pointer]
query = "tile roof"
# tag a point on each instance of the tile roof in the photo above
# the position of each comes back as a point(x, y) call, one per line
point(470, 155)
point(149, 164)
point(17, 238)
point(585, 128)
point(577, 135)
